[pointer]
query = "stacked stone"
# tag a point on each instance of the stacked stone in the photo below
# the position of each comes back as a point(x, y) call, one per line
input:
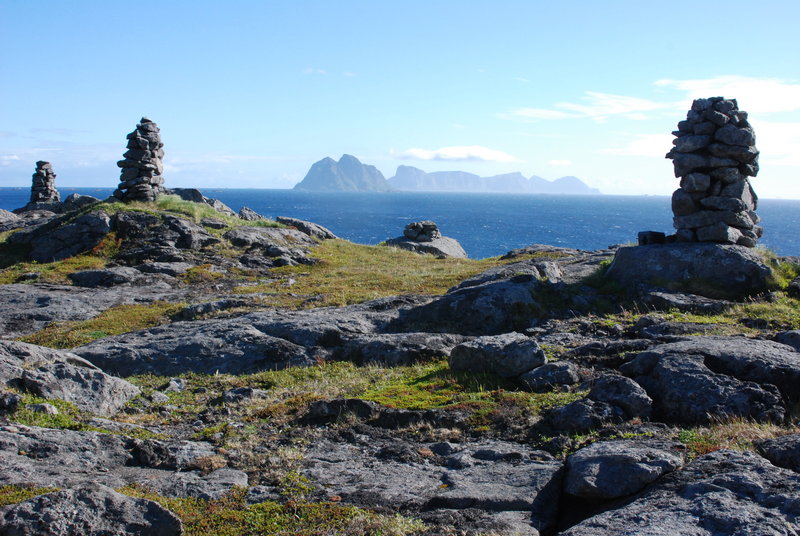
point(43, 189)
point(714, 155)
point(422, 231)
point(141, 178)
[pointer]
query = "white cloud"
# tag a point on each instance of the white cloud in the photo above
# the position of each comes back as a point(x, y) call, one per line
point(7, 159)
point(779, 143)
point(651, 145)
point(459, 153)
point(756, 95)
point(559, 163)
point(596, 106)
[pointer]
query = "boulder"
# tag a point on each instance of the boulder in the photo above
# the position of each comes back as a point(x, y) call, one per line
point(711, 270)
point(64, 376)
point(705, 378)
point(783, 451)
point(107, 277)
point(549, 376)
point(92, 510)
point(311, 229)
point(249, 214)
point(724, 492)
point(612, 469)
point(77, 236)
point(508, 355)
point(441, 247)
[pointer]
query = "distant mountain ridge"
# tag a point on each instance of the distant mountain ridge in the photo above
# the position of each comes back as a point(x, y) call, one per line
point(346, 175)
point(412, 179)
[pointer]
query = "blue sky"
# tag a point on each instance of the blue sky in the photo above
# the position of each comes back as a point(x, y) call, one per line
point(251, 93)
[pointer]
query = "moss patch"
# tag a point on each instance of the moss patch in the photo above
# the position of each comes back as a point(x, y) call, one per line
point(17, 494)
point(113, 321)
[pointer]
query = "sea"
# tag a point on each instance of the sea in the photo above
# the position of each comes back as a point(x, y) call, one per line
point(486, 224)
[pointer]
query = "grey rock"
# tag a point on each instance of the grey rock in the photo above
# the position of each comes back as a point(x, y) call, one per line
point(249, 214)
point(687, 144)
point(250, 237)
point(622, 393)
point(422, 231)
point(688, 303)
point(783, 451)
point(611, 469)
point(583, 415)
point(696, 182)
point(178, 455)
point(441, 247)
point(227, 346)
point(7, 217)
point(789, 338)
point(47, 409)
point(508, 355)
point(725, 269)
point(9, 402)
point(311, 229)
point(173, 269)
point(64, 376)
point(240, 394)
point(107, 277)
point(91, 390)
point(549, 376)
point(43, 187)
point(77, 202)
point(78, 236)
point(705, 378)
point(724, 492)
point(193, 484)
point(92, 510)
point(392, 349)
point(213, 223)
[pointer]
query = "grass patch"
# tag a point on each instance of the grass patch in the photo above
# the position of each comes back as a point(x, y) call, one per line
point(737, 434)
point(352, 273)
point(230, 515)
point(17, 494)
point(56, 272)
point(113, 321)
point(68, 417)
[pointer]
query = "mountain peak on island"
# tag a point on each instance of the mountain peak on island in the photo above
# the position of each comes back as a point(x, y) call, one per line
point(412, 179)
point(346, 175)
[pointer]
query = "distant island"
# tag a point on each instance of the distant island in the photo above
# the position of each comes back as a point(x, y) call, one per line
point(412, 179)
point(346, 175)
point(350, 175)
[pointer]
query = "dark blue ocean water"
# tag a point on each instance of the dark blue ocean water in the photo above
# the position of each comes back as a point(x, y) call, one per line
point(485, 224)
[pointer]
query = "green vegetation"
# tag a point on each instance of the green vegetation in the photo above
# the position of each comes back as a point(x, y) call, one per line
point(230, 515)
point(352, 273)
point(68, 416)
point(738, 434)
point(17, 494)
point(56, 272)
point(113, 321)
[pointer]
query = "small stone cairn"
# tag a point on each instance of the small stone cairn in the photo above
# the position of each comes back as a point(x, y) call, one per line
point(141, 178)
point(43, 189)
point(422, 231)
point(714, 155)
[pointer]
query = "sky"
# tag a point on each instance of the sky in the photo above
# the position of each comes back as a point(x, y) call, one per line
point(250, 94)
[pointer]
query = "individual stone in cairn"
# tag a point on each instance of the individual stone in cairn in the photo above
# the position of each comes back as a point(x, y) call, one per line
point(422, 231)
point(714, 156)
point(141, 178)
point(43, 189)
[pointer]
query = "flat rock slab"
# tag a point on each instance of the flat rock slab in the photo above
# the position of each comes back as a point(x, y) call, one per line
point(248, 237)
point(490, 476)
point(92, 510)
point(702, 378)
point(612, 469)
point(311, 229)
point(250, 343)
point(724, 492)
point(46, 457)
point(63, 375)
point(26, 309)
point(441, 247)
point(508, 355)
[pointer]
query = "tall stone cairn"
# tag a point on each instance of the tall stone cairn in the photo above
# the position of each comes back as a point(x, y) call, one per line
point(714, 156)
point(141, 178)
point(43, 189)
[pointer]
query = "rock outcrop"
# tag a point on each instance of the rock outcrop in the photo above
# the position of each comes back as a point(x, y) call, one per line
point(425, 237)
point(714, 155)
point(43, 189)
point(141, 177)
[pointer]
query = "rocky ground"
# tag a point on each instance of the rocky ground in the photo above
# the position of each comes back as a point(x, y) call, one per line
point(174, 367)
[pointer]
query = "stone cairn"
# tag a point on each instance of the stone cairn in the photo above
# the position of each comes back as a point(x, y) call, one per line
point(43, 189)
point(714, 155)
point(422, 231)
point(141, 178)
